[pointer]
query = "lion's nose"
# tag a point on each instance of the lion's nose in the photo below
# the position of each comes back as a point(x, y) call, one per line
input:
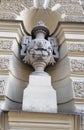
point(40, 45)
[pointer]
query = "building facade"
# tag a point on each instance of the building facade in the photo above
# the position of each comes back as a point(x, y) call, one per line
point(65, 21)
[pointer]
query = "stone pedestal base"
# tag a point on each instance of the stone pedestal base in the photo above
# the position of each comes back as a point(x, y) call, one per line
point(39, 96)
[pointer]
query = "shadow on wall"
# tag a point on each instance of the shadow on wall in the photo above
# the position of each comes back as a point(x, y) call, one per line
point(17, 81)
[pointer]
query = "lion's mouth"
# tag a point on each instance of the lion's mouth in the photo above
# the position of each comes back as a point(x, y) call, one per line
point(40, 52)
point(41, 49)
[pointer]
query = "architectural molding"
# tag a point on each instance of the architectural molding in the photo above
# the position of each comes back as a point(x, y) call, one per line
point(41, 121)
point(67, 75)
point(8, 15)
point(3, 83)
point(6, 44)
point(77, 65)
point(70, 9)
point(73, 18)
point(12, 29)
point(71, 48)
point(78, 87)
point(4, 62)
point(69, 31)
point(14, 7)
point(75, 46)
point(2, 87)
point(66, 67)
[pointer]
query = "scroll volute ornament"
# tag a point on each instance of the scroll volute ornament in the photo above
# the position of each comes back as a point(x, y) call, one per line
point(39, 49)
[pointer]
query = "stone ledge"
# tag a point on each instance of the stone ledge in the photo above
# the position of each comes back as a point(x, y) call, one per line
point(69, 31)
point(72, 48)
point(12, 29)
point(41, 121)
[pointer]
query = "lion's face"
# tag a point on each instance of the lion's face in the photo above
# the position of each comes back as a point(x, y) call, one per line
point(40, 47)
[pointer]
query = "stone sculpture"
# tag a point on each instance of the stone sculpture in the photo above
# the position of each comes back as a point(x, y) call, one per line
point(39, 50)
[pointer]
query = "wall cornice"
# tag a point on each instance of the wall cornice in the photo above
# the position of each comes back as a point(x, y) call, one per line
point(69, 31)
point(12, 29)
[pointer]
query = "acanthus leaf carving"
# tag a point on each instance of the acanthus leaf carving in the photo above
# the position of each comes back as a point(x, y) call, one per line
point(4, 63)
point(74, 18)
point(7, 15)
point(14, 7)
point(70, 9)
point(78, 88)
point(75, 46)
point(6, 44)
point(2, 87)
point(77, 65)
